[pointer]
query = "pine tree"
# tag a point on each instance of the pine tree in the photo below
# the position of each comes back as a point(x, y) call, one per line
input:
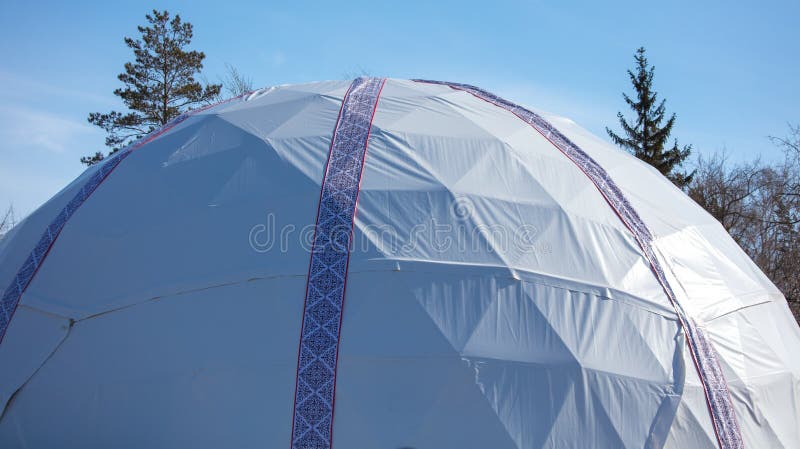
point(158, 86)
point(647, 138)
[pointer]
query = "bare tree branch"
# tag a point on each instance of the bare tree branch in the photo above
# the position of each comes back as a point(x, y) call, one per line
point(234, 82)
point(8, 221)
point(759, 205)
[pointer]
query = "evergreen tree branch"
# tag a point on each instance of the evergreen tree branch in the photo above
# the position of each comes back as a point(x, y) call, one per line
point(158, 85)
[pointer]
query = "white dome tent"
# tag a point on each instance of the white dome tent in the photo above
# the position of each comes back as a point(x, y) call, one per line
point(386, 264)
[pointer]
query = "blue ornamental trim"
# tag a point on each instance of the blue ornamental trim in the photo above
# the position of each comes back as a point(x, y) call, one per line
point(31, 265)
point(312, 423)
point(705, 357)
point(25, 275)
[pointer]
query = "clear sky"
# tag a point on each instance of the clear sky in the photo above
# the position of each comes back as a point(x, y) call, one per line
point(731, 70)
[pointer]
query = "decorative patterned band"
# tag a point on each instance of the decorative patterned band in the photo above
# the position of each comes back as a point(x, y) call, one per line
point(703, 353)
point(25, 275)
point(312, 423)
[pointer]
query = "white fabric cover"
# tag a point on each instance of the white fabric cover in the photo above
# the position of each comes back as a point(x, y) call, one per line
point(494, 299)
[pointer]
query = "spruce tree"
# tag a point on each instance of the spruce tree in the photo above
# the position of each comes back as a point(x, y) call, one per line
point(158, 85)
point(647, 136)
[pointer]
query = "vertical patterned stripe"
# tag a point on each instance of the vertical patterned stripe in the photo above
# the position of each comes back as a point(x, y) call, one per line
point(312, 423)
point(25, 275)
point(703, 353)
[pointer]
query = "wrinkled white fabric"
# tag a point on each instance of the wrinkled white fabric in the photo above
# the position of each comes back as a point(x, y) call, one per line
point(494, 299)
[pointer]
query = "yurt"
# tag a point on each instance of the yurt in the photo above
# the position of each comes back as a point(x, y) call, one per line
point(386, 264)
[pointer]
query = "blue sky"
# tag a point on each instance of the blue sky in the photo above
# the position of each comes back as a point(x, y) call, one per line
point(731, 71)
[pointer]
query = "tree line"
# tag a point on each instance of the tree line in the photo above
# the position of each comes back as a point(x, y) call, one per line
point(757, 202)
